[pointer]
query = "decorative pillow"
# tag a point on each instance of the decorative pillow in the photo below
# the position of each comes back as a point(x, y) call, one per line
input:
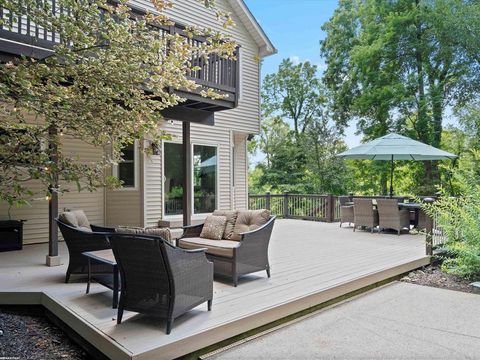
point(83, 228)
point(248, 220)
point(214, 227)
point(81, 218)
point(231, 218)
point(75, 218)
point(152, 230)
point(68, 218)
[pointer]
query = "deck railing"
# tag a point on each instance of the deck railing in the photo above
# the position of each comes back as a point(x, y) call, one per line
point(327, 208)
point(215, 72)
point(298, 206)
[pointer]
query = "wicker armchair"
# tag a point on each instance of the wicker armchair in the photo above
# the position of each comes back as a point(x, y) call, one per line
point(80, 240)
point(346, 211)
point(364, 214)
point(159, 279)
point(246, 256)
point(391, 217)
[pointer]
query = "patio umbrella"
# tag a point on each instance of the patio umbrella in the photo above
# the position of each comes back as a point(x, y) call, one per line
point(393, 147)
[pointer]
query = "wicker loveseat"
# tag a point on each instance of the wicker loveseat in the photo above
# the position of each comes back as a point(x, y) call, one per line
point(243, 250)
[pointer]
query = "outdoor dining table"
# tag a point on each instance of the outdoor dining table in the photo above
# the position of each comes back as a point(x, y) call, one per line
point(111, 281)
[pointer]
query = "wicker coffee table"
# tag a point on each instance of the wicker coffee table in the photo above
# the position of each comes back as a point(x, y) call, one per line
point(110, 281)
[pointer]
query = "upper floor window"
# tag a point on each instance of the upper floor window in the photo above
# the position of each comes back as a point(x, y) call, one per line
point(126, 170)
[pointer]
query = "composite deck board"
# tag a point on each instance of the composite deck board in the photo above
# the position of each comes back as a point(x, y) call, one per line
point(310, 262)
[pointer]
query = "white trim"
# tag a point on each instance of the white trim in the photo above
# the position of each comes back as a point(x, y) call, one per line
point(136, 169)
point(217, 171)
point(266, 47)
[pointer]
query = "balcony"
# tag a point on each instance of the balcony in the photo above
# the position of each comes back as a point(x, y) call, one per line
point(19, 36)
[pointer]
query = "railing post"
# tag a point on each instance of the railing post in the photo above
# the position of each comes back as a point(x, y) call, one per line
point(350, 197)
point(267, 200)
point(429, 231)
point(330, 208)
point(285, 205)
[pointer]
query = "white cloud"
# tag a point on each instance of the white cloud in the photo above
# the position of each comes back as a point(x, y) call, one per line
point(295, 59)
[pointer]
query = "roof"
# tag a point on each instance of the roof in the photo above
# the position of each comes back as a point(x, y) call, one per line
point(253, 27)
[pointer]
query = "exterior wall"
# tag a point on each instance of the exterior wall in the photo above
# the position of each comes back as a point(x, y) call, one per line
point(244, 118)
point(125, 206)
point(36, 228)
point(220, 137)
point(240, 172)
point(144, 205)
point(231, 126)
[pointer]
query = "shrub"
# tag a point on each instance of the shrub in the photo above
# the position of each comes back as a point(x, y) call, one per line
point(459, 218)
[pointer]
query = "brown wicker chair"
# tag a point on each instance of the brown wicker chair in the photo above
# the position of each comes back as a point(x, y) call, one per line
point(391, 217)
point(346, 211)
point(364, 214)
point(246, 256)
point(80, 240)
point(159, 279)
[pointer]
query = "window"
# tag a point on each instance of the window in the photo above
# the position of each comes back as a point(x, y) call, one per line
point(204, 179)
point(126, 170)
point(173, 178)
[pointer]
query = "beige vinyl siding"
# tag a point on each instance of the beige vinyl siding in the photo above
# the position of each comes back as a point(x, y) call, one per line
point(244, 118)
point(36, 227)
point(241, 171)
point(125, 206)
point(200, 135)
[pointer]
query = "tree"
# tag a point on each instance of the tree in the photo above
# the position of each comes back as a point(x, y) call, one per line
point(105, 84)
point(295, 93)
point(297, 136)
point(395, 65)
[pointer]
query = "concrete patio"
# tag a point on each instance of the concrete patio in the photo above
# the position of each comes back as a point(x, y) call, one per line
point(311, 263)
point(400, 321)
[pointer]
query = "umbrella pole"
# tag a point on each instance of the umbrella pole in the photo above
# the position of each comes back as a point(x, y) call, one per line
point(391, 177)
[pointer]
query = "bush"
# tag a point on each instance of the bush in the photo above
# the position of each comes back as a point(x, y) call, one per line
point(459, 218)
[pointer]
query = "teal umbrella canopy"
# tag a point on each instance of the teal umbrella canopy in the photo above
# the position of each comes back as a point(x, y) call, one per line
point(395, 147)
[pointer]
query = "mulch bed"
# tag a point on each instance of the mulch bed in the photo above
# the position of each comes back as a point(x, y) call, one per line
point(27, 334)
point(433, 276)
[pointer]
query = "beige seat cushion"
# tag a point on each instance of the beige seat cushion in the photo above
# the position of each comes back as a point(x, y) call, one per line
point(214, 247)
point(76, 218)
point(231, 216)
point(213, 227)
point(152, 230)
point(248, 220)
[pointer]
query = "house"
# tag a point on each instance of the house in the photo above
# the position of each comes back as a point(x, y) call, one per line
point(212, 133)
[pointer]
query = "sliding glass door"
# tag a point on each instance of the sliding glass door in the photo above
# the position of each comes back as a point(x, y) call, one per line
point(205, 169)
point(204, 179)
point(173, 178)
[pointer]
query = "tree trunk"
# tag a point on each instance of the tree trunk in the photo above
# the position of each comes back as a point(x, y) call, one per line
point(422, 122)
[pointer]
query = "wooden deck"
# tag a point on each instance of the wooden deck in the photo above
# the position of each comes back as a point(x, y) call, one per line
point(311, 263)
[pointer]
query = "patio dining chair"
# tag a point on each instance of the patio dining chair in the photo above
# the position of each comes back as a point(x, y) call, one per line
point(364, 214)
point(391, 217)
point(160, 279)
point(346, 211)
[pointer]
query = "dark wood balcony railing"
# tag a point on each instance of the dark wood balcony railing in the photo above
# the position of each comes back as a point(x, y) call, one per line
point(20, 36)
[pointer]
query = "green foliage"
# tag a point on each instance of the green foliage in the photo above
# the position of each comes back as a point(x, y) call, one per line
point(297, 138)
point(399, 65)
point(105, 85)
point(459, 218)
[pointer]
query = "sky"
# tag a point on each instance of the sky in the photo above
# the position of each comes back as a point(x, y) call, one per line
point(294, 27)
